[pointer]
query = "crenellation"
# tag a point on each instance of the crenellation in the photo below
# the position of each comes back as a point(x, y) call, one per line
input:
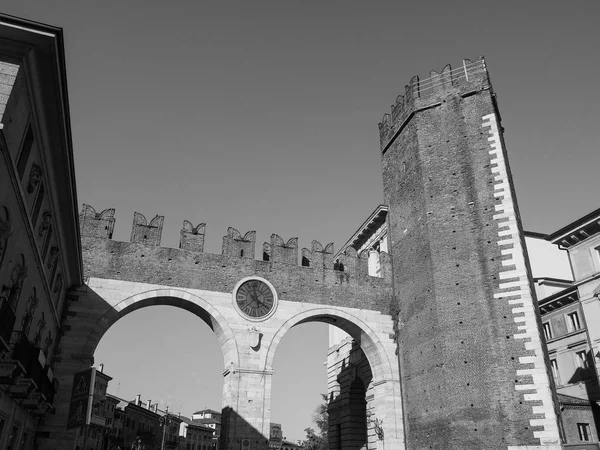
point(108, 259)
point(283, 252)
point(351, 263)
point(95, 224)
point(321, 257)
point(147, 233)
point(422, 94)
point(192, 238)
point(266, 255)
point(236, 245)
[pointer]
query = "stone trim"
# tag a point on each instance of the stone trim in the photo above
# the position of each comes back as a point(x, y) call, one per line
point(517, 293)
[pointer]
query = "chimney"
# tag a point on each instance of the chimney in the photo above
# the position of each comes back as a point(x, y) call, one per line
point(102, 368)
point(138, 399)
point(156, 408)
point(149, 404)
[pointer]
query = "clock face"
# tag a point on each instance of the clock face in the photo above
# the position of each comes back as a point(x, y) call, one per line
point(255, 299)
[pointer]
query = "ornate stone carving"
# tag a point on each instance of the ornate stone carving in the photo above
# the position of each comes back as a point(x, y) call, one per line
point(53, 259)
point(35, 176)
point(48, 344)
point(253, 336)
point(58, 283)
point(45, 223)
point(12, 291)
point(41, 325)
point(30, 307)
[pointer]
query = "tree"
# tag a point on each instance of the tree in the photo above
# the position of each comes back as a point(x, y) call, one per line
point(318, 440)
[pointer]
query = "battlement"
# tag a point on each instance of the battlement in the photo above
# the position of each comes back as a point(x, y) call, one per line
point(95, 224)
point(234, 244)
point(465, 80)
point(147, 233)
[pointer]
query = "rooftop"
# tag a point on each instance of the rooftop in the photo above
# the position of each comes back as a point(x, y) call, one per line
point(366, 230)
point(577, 230)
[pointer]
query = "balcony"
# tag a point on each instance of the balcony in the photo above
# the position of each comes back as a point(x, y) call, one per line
point(97, 420)
point(171, 443)
point(23, 371)
point(49, 385)
point(7, 322)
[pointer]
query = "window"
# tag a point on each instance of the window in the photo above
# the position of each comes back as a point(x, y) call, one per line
point(581, 359)
point(25, 152)
point(573, 321)
point(547, 330)
point(555, 372)
point(584, 431)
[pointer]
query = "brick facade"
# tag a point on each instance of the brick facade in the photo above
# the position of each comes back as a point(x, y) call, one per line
point(473, 370)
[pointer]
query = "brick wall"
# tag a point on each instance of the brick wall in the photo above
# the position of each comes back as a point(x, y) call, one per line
point(461, 359)
point(149, 263)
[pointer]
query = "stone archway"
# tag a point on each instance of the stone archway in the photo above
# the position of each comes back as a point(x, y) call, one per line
point(379, 349)
point(179, 298)
point(93, 309)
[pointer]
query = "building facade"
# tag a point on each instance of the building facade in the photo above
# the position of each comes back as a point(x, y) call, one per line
point(40, 254)
point(198, 436)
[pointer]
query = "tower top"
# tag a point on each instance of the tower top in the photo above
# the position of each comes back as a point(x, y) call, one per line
point(465, 80)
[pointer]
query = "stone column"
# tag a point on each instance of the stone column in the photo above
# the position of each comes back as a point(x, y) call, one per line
point(246, 408)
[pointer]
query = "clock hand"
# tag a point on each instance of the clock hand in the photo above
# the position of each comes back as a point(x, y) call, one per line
point(258, 302)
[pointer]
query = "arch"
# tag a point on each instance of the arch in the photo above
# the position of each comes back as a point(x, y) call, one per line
point(359, 330)
point(168, 297)
point(379, 350)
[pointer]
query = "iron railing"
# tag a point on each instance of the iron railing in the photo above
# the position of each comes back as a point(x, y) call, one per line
point(7, 323)
point(467, 72)
point(27, 357)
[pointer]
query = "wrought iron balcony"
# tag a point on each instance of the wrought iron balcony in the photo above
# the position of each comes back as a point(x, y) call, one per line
point(97, 420)
point(7, 322)
point(49, 385)
point(22, 370)
point(28, 357)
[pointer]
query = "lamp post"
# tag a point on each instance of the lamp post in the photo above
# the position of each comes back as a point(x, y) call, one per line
point(164, 421)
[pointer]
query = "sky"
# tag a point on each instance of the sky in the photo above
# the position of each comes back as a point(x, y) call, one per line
point(263, 116)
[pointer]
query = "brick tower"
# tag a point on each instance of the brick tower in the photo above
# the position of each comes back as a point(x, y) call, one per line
point(471, 358)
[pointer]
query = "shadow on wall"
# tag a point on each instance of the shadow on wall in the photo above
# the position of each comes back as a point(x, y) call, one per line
point(349, 427)
point(246, 436)
point(589, 378)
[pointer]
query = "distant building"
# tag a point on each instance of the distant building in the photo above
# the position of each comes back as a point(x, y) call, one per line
point(287, 445)
point(196, 435)
point(142, 425)
point(275, 436)
point(97, 433)
point(209, 418)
